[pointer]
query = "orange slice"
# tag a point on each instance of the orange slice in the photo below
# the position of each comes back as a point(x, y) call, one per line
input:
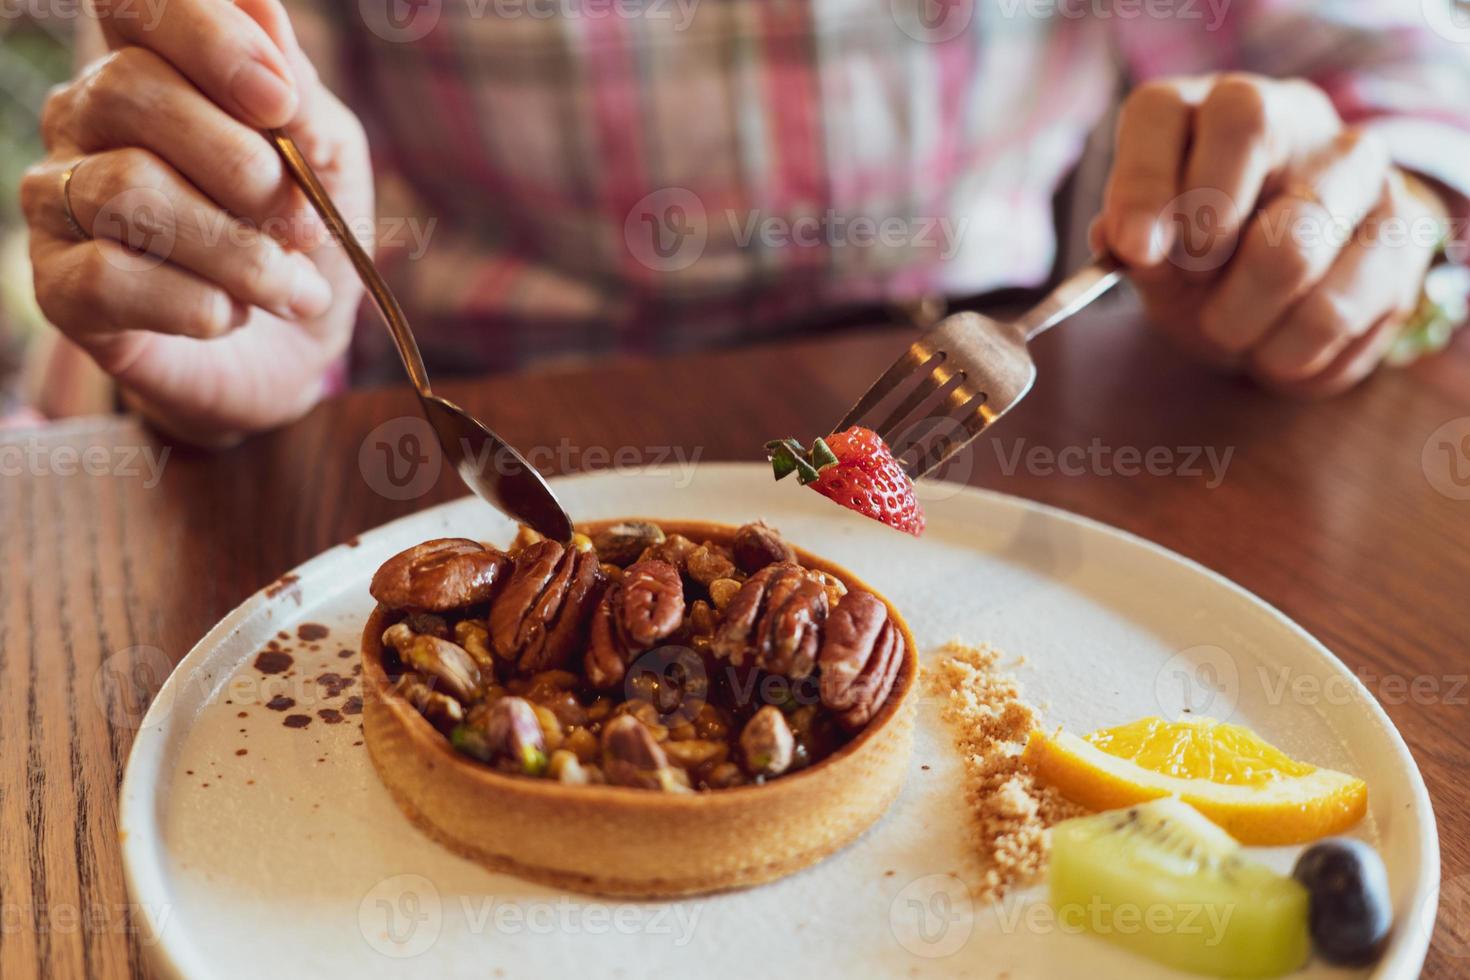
point(1241, 782)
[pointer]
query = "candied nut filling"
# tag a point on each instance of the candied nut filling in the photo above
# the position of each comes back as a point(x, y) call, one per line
point(636, 657)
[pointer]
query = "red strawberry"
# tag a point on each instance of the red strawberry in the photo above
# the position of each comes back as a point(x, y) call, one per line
point(855, 469)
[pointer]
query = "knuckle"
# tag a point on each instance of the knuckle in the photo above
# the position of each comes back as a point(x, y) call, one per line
point(257, 272)
point(38, 185)
point(205, 314)
point(247, 161)
point(1323, 319)
point(70, 289)
point(52, 296)
point(1278, 264)
point(1236, 106)
point(107, 85)
point(57, 110)
point(127, 169)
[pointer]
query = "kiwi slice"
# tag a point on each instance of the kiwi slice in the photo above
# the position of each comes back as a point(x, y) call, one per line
point(1161, 880)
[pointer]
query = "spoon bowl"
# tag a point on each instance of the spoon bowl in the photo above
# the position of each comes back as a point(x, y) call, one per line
point(487, 464)
point(493, 469)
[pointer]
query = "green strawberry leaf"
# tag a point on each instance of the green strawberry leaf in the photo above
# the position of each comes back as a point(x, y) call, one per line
point(822, 455)
point(785, 456)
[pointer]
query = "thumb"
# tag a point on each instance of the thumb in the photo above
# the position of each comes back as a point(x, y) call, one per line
point(307, 127)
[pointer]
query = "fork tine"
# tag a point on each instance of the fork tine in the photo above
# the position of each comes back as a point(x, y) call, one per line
point(952, 398)
point(943, 379)
point(947, 446)
point(910, 361)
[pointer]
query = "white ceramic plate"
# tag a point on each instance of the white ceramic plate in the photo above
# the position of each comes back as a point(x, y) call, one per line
point(290, 859)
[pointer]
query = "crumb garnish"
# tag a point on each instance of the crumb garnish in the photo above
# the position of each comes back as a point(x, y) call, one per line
point(1011, 813)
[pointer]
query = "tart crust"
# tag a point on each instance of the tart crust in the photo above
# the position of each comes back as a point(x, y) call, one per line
point(632, 843)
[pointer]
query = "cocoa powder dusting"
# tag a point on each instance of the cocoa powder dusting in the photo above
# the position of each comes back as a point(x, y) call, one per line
point(1011, 813)
point(273, 662)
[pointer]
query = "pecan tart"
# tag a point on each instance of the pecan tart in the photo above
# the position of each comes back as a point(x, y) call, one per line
point(656, 709)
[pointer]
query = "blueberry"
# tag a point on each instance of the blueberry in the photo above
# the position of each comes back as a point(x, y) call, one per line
point(1350, 911)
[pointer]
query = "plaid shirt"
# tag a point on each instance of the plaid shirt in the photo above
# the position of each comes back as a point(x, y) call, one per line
point(585, 176)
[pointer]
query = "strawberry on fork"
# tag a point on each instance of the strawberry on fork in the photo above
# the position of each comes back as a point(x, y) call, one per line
point(855, 469)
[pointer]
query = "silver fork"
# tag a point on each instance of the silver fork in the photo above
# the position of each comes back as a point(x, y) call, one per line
point(968, 371)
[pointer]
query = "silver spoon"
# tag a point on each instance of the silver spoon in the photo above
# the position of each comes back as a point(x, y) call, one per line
point(487, 464)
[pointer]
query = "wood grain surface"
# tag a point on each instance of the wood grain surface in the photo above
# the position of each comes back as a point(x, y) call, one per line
point(1345, 515)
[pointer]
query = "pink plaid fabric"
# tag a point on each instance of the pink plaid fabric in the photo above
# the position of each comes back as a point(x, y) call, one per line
point(649, 175)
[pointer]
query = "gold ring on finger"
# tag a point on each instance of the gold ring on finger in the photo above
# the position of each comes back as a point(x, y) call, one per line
point(71, 218)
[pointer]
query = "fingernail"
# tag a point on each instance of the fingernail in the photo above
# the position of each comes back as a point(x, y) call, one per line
point(1289, 356)
point(1141, 238)
point(311, 294)
point(263, 94)
point(239, 314)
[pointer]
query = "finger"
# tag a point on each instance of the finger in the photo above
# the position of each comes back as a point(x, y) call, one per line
point(1292, 243)
point(1351, 367)
point(133, 197)
point(218, 47)
point(98, 289)
point(1367, 283)
point(1153, 131)
point(133, 97)
point(1246, 129)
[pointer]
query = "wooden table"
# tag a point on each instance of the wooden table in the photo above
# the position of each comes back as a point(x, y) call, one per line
point(1328, 511)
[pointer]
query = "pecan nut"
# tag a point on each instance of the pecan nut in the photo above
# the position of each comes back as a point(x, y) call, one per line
point(539, 618)
point(766, 743)
point(621, 543)
point(709, 563)
point(634, 614)
point(757, 545)
point(860, 657)
point(450, 667)
point(674, 549)
point(439, 575)
point(775, 622)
